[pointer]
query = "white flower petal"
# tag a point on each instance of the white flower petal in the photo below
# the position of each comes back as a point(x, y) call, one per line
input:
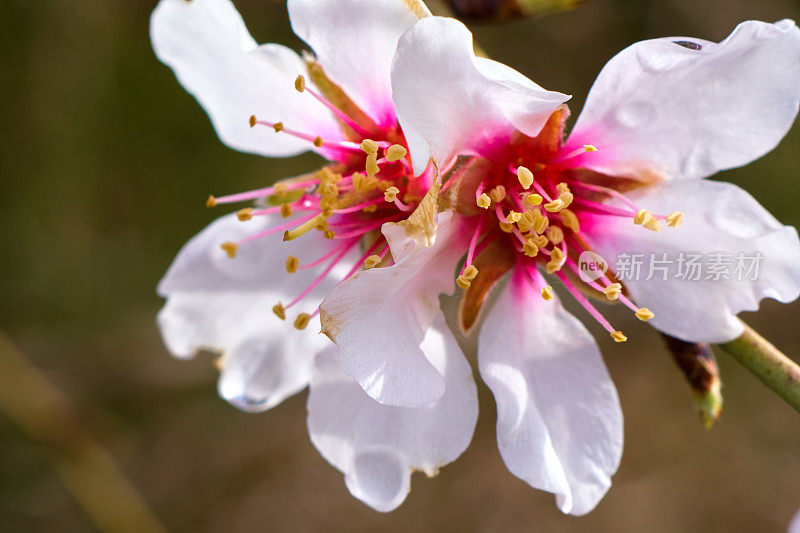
point(450, 101)
point(378, 446)
point(379, 317)
point(719, 218)
point(219, 303)
point(214, 57)
point(794, 525)
point(354, 41)
point(559, 422)
point(680, 112)
point(265, 359)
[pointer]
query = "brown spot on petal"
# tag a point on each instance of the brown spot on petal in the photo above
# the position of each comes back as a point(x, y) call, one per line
point(331, 324)
point(494, 261)
point(423, 222)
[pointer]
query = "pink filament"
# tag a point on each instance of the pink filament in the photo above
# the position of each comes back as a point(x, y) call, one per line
point(472, 243)
point(260, 193)
point(324, 273)
point(340, 145)
point(364, 257)
point(365, 229)
point(622, 298)
point(401, 206)
point(607, 190)
point(584, 302)
point(276, 229)
point(339, 113)
point(359, 207)
point(323, 258)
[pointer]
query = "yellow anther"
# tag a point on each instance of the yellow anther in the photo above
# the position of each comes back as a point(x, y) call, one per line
point(369, 146)
point(506, 227)
point(618, 336)
point(395, 152)
point(278, 127)
point(302, 320)
point(286, 210)
point(513, 217)
point(211, 201)
point(673, 219)
point(390, 194)
point(370, 208)
point(364, 183)
point(589, 148)
point(230, 248)
point(570, 220)
point(555, 206)
point(328, 234)
point(329, 190)
point(470, 272)
point(555, 234)
point(245, 214)
point(525, 223)
point(372, 164)
point(383, 185)
point(547, 292)
point(463, 282)
point(280, 189)
point(525, 177)
point(484, 201)
point(566, 198)
point(653, 224)
point(540, 221)
point(557, 259)
point(613, 291)
point(300, 83)
point(291, 264)
point(253, 120)
point(371, 261)
point(530, 249)
point(498, 194)
point(325, 175)
point(304, 228)
point(539, 240)
point(644, 314)
point(317, 141)
point(534, 199)
point(642, 217)
point(279, 311)
point(562, 188)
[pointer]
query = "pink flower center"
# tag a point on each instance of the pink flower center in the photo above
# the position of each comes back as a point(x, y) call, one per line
point(535, 198)
point(369, 182)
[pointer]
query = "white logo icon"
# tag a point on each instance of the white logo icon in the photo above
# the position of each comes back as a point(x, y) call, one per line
point(591, 266)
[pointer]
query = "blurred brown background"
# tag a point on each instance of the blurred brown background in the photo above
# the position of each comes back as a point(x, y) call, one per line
point(105, 165)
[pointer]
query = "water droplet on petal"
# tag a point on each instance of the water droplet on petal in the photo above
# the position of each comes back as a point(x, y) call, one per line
point(743, 220)
point(380, 476)
point(698, 162)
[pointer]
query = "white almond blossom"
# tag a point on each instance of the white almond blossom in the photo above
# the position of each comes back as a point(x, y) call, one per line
point(232, 286)
point(662, 115)
point(431, 155)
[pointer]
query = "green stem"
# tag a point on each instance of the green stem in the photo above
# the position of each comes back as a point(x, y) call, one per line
point(774, 369)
